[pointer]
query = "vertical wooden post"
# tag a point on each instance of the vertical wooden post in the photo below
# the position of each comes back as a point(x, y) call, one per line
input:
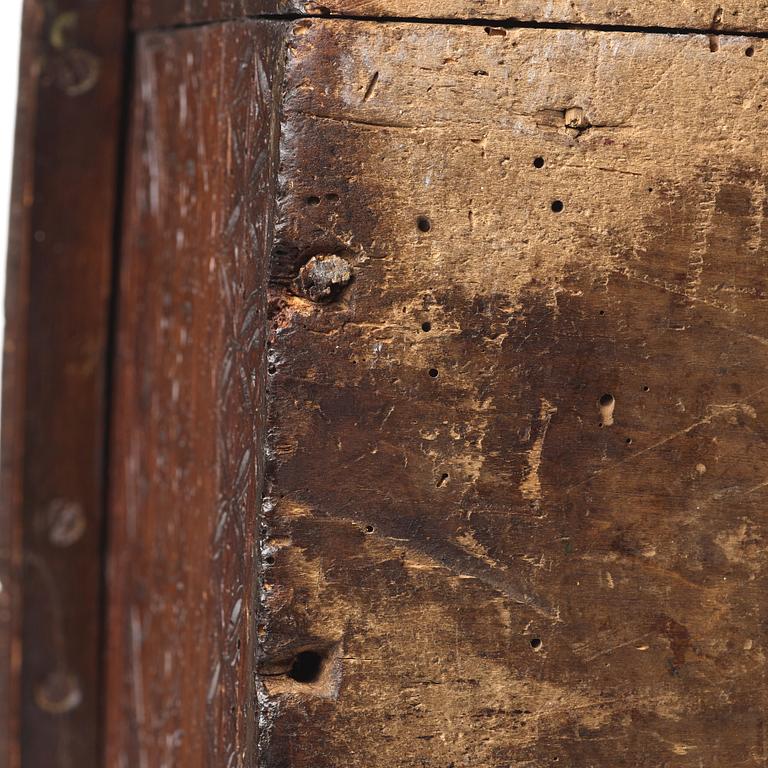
point(189, 397)
point(54, 399)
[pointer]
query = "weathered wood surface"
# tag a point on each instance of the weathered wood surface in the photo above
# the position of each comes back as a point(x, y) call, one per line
point(516, 501)
point(189, 421)
point(745, 15)
point(54, 382)
point(515, 419)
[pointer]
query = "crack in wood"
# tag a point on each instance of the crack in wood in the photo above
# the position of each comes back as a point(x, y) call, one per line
point(708, 32)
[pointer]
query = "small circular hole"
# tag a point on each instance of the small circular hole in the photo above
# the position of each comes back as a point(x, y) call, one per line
point(424, 224)
point(538, 162)
point(536, 643)
point(332, 197)
point(369, 529)
point(306, 667)
point(750, 52)
point(646, 388)
point(426, 327)
point(272, 369)
point(606, 400)
point(269, 560)
point(628, 441)
point(557, 206)
point(313, 200)
point(434, 373)
point(601, 312)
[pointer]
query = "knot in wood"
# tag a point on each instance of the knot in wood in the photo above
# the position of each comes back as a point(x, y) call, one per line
point(323, 277)
point(576, 118)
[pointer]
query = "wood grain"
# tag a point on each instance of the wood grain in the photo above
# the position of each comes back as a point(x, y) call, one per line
point(189, 416)
point(744, 15)
point(54, 382)
point(439, 426)
point(515, 511)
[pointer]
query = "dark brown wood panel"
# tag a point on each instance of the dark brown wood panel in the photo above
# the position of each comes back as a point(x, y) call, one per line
point(516, 502)
point(58, 290)
point(189, 412)
point(745, 15)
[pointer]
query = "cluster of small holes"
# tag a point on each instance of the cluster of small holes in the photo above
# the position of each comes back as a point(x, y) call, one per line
point(331, 197)
point(424, 224)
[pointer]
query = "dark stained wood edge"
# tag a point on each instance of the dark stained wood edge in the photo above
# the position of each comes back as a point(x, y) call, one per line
point(187, 462)
point(66, 178)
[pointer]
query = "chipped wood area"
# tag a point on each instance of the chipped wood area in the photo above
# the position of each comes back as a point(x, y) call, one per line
point(744, 15)
point(516, 485)
point(189, 416)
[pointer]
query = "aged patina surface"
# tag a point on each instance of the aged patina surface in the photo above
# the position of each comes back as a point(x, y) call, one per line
point(438, 417)
point(512, 510)
point(516, 483)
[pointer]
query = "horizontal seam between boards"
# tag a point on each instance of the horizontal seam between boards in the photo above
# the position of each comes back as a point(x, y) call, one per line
point(510, 23)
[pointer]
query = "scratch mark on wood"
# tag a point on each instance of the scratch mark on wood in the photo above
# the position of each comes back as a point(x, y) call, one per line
point(530, 487)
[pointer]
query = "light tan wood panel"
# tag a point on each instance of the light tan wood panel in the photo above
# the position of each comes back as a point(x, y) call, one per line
point(516, 511)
